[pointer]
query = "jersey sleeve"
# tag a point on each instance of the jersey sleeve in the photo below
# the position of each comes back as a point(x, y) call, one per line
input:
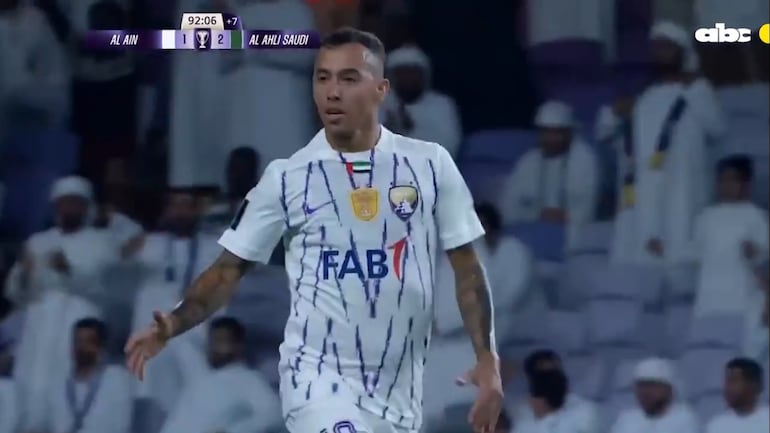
point(260, 221)
point(456, 217)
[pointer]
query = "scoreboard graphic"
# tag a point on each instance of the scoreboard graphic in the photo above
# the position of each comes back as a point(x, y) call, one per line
point(202, 32)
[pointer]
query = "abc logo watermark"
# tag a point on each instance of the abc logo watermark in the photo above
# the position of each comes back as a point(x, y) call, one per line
point(723, 34)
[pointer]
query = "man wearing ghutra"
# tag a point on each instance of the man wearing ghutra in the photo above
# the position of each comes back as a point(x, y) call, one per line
point(663, 153)
point(168, 260)
point(362, 274)
point(95, 398)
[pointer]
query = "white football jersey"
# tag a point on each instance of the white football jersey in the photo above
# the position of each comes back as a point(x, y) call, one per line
point(362, 232)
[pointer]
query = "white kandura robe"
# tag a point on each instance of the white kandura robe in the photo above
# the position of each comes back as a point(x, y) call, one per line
point(561, 421)
point(727, 283)
point(233, 399)
point(578, 413)
point(435, 118)
point(183, 359)
point(679, 418)
point(198, 113)
point(9, 406)
point(110, 412)
point(669, 199)
point(269, 91)
point(54, 303)
point(511, 274)
point(730, 422)
point(569, 182)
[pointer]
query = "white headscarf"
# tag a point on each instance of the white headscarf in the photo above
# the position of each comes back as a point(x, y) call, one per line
point(72, 186)
point(555, 114)
point(661, 371)
point(681, 37)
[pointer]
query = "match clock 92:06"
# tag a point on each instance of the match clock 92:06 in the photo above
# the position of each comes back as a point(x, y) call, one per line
point(202, 21)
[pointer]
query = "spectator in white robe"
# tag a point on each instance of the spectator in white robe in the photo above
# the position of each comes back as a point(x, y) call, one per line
point(231, 397)
point(413, 108)
point(95, 397)
point(168, 261)
point(548, 392)
point(665, 178)
point(199, 111)
point(9, 400)
point(511, 272)
point(269, 92)
point(743, 387)
point(577, 411)
point(659, 409)
point(730, 241)
point(559, 181)
point(34, 77)
point(58, 280)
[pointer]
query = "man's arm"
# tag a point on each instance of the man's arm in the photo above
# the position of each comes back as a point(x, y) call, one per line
point(473, 298)
point(209, 292)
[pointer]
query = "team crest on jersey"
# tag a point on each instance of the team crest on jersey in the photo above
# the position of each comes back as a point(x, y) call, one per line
point(365, 203)
point(403, 200)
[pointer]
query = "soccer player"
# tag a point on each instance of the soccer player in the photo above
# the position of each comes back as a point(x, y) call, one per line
point(363, 212)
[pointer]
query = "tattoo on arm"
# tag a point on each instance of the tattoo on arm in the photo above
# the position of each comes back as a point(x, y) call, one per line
point(473, 297)
point(210, 291)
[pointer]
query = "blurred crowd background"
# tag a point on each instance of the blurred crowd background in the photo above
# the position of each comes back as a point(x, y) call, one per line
point(620, 168)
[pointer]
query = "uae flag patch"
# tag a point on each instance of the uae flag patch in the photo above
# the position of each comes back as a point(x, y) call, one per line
point(358, 167)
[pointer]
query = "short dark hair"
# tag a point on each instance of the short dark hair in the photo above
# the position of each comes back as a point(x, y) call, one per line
point(552, 386)
point(740, 163)
point(349, 35)
point(750, 369)
point(231, 324)
point(489, 212)
point(536, 357)
point(94, 324)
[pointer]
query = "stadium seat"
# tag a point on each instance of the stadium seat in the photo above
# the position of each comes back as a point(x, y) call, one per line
point(499, 145)
point(702, 370)
point(26, 208)
point(593, 238)
point(722, 331)
point(53, 150)
point(567, 52)
point(545, 240)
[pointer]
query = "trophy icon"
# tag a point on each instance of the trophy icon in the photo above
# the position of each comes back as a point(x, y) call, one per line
point(202, 36)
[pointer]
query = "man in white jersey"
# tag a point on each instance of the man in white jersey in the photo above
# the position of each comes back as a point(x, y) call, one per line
point(360, 262)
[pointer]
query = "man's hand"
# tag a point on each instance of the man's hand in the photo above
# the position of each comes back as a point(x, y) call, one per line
point(655, 247)
point(59, 262)
point(148, 343)
point(489, 401)
point(553, 215)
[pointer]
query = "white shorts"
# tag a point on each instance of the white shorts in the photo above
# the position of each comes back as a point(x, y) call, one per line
point(338, 415)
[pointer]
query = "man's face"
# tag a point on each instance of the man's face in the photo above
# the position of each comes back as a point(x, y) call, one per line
point(652, 396)
point(549, 365)
point(737, 389)
point(666, 55)
point(409, 82)
point(241, 175)
point(554, 141)
point(731, 186)
point(347, 88)
point(182, 211)
point(87, 347)
point(222, 348)
point(71, 211)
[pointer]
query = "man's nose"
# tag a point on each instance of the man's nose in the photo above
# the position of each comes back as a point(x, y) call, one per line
point(333, 92)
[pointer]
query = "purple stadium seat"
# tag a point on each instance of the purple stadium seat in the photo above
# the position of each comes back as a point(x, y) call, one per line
point(579, 52)
point(27, 206)
point(641, 283)
point(262, 303)
point(567, 331)
point(614, 323)
point(594, 238)
point(506, 145)
point(634, 46)
point(574, 283)
point(630, 77)
point(545, 240)
point(52, 150)
point(588, 375)
point(702, 370)
point(723, 331)
point(678, 319)
point(485, 179)
point(710, 405)
point(653, 333)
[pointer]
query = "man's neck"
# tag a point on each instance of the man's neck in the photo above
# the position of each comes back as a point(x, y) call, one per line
point(746, 408)
point(361, 141)
point(85, 371)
